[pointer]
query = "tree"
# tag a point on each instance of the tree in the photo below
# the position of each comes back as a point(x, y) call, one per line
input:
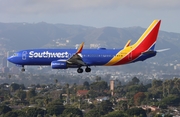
point(46, 101)
point(31, 93)
point(20, 113)
point(86, 85)
point(4, 109)
point(171, 100)
point(93, 113)
point(11, 114)
point(177, 83)
point(55, 108)
point(33, 112)
point(139, 97)
point(122, 105)
point(158, 115)
point(136, 112)
point(14, 87)
point(135, 80)
point(72, 112)
point(97, 78)
point(21, 94)
point(165, 93)
point(99, 86)
point(68, 94)
point(21, 86)
point(93, 94)
point(168, 115)
point(105, 107)
point(116, 114)
point(56, 81)
point(137, 88)
point(169, 86)
point(157, 83)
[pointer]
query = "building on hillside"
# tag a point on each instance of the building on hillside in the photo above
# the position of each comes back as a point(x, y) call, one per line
point(121, 99)
point(103, 98)
point(82, 92)
point(153, 108)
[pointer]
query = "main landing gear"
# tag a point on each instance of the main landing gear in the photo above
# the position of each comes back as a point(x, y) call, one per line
point(80, 70)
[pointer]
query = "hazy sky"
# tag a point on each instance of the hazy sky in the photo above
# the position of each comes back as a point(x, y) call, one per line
point(96, 13)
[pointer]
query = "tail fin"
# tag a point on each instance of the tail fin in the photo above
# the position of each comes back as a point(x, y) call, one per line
point(148, 40)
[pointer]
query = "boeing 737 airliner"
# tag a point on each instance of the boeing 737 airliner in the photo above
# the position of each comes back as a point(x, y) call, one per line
point(72, 58)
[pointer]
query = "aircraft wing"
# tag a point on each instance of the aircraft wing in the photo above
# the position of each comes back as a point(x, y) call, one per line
point(76, 59)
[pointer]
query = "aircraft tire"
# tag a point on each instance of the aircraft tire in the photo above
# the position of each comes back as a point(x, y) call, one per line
point(88, 69)
point(80, 70)
point(22, 69)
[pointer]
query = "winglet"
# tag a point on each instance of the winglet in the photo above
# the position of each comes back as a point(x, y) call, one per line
point(80, 48)
point(127, 44)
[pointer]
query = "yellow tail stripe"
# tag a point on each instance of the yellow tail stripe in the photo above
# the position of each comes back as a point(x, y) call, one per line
point(124, 52)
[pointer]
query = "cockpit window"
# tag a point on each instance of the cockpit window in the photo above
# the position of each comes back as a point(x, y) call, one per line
point(15, 54)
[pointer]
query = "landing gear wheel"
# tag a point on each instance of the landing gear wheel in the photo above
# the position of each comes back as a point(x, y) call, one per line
point(23, 69)
point(79, 70)
point(88, 69)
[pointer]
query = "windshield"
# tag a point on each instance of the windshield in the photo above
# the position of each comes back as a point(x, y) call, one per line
point(15, 54)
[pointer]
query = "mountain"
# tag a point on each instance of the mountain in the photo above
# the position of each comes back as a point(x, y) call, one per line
point(17, 36)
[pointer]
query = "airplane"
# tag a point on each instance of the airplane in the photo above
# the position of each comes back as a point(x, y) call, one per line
point(77, 58)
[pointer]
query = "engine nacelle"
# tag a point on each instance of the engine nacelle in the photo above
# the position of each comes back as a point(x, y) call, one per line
point(59, 65)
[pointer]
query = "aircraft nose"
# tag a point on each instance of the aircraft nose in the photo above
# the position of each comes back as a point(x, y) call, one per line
point(10, 59)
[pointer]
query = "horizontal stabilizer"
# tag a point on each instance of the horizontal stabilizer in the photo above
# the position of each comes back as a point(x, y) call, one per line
point(162, 50)
point(149, 52)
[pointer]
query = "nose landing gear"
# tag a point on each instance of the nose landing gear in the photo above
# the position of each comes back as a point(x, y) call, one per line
point(23, 69)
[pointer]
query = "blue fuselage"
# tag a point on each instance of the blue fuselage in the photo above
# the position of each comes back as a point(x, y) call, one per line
point(46, 56)
point(92, 57)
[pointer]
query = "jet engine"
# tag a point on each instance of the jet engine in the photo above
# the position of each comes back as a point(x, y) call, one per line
point(59, 65)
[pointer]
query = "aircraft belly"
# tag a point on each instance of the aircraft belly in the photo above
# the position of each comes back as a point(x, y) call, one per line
point(97, 61)
point(38, 62)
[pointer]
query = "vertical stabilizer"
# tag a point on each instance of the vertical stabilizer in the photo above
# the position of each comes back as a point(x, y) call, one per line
point(148, 40)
